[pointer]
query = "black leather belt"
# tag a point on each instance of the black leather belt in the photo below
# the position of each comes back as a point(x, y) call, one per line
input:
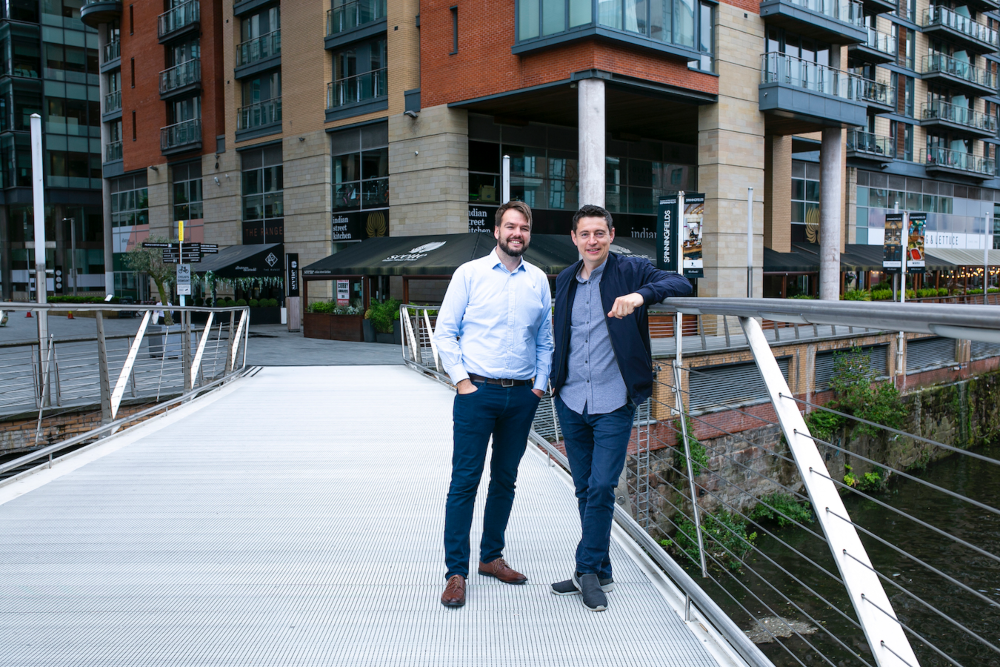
point(503, 382)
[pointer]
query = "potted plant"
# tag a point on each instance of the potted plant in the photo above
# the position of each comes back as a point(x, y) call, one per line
point(328, 321)
point(369, 330)
point(385, 321)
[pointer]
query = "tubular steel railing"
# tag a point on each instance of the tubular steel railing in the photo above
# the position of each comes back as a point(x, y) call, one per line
point(828, 533)
point(139, 363)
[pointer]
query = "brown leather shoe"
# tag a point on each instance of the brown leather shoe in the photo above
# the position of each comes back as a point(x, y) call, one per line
point(501, 571)
point(454, 592)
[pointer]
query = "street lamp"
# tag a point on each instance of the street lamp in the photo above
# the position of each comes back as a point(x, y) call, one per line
point(72, 243)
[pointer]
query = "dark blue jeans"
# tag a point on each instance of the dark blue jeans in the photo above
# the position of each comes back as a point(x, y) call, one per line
point(506, 414)
point(596, 446)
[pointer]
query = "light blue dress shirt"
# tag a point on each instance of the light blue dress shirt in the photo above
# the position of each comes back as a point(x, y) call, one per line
point(496, 323)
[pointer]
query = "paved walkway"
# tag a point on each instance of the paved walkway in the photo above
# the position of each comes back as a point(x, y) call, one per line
point(294, 518)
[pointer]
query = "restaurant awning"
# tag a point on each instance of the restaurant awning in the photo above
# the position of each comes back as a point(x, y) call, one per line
point(966, 257)
point(245, 261)
point(804, 258)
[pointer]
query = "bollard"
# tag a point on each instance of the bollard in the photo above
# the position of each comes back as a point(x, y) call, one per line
point(28, 313)
point(69, 315)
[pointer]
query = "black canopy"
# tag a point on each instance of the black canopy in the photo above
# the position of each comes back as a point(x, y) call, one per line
point(804, 258)
point(245, 261)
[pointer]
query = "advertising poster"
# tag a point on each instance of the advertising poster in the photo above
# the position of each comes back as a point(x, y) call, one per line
point(892, 247)
point(343, 292)
point(292, 273)
point(915, 243)
point(694, 216)
point(666, 233)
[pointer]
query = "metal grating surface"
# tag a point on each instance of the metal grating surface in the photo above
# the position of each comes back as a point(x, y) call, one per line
point(297, 521)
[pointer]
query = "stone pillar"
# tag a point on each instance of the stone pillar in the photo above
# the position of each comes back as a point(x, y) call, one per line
point(830, 206)
point(778, 193)
point(592, 133)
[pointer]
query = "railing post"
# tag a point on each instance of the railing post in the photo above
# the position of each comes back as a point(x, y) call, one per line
point(889, 644)
point(102, 363)
point(229, 348)
point(186, 349)
point(679, 402)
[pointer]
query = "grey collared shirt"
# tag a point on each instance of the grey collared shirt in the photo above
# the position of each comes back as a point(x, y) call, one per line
point(593, 380)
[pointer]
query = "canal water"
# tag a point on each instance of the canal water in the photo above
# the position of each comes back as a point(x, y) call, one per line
point(977, 608)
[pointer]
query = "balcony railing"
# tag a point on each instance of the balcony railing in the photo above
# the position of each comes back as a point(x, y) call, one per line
point(873, 92)
point(791, 71)
point(112, 51)
point(180, 134)
point(353, 14)
point(938, 63)
point(841, 10)
point(960, 115)
point(178, 17)
point(944, 157)
point(113, 151)
point(871, 144)
point(881, 42)
point(358, 88)
point(258, 48)
point(259, 114)
point(113, 101)
point(178, 76)
point(942, 16)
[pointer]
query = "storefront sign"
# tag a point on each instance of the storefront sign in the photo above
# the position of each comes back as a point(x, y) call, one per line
point(292, 273)
point(359, 225)
point(915, 243)
point(259, 231)
point(892, 246)
point(694, 216)
point(666, 233)
point(481, 219)
point(343, 292)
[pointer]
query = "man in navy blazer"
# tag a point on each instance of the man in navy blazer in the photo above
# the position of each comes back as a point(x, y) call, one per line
point(602, 369)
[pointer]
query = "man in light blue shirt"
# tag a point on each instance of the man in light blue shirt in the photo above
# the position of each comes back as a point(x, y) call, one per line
point(494, 335)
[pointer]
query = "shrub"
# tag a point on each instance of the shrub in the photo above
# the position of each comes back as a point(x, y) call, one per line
point(823, 424)
point(927, 292)
point(783, 508)
point(881, 295)
point(273, 303)
point(910, 294)
point(322, 307)
point(198, 301)
point(942, 291)
point(881, 286)
point(383, 314)
point(241, 303)
point(699, 455)
point(857, 393)
point(254, 303)
point(974, 291)
point(873, 481)
point(856, 295)
point(724, 535)
point(801, 296)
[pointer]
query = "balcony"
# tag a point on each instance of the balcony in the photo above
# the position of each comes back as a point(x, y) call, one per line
point(113, 151)
point(112, 51)
point(873, 7)
point(943, 160)
point(938, 68)
point(181, 137)
point(256, 55)
point(834, 21)
point(958, 119)
point(357, 94)
point(877, 94)
point(354, 20)
point(806, 94)
point(179, 21)
point(95, 12)
point(113, 102)
point(259, 119)
point(869, 146)
point(180, 79)
point(879, 48)
point(983, 5)
point(961, 30)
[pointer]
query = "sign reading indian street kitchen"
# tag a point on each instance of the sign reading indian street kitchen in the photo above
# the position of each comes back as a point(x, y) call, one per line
point(892, 247)
point(667, 217)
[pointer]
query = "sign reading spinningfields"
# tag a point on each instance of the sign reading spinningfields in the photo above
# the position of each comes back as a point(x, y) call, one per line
point(667, 218)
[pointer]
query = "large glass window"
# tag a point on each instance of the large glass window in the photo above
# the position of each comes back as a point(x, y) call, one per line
point(187, 191)
point(263, 196)
point(129, 223)
point(359, 74)
point(805, 201)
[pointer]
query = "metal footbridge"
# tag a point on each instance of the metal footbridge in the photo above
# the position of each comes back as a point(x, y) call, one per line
point(293, 516)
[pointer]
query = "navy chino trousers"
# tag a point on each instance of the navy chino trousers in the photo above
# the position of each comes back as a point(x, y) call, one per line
point(596, 446)
point(506, 414)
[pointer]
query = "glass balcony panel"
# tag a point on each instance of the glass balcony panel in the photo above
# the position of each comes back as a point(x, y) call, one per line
point(958, 160)
point(259, 114)
point(358, 88)
point(881, 42)
point(181, 75)
point(871, 144)
point(113, 151)
point(791, 71)
point(112, 51)
point(180, 16)
point(841, 10)
point(180, 134)
point(355, 14)
point(938, 63)
point(113, 101)
point(960, 115)
point(942, 16)
point(259, 48)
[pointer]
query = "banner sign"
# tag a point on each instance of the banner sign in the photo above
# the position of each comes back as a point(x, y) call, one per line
point(292, 273)
point(343, 292)
point(481, 219)
point(915, 243)
point(892, 247)
point(694, 216)
point(183, 280)
point(666, 233)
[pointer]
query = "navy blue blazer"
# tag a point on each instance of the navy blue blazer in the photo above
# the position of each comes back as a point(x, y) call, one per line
point(629, 335)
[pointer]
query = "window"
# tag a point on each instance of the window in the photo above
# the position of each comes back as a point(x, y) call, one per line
point(359, 74)
point(187, 191)
point(906, 46)
point(78, 118)
point(70, 169)
point(360, 176)
point(131, 20)
point(133, 126)
point(454, 30)
point(132, 69)
point(805, 201)
point(129, 227)
point(263, 201)
point(261, 98)
point(904, 91)
point(260, 36)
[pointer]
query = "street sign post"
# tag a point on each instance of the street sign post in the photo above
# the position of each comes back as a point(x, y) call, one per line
point(183, 280)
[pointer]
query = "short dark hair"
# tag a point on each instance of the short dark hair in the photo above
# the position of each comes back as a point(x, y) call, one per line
point(592, 211)
point(518, 206)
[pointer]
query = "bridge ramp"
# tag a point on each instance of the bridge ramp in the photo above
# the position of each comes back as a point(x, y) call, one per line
point(297, 520)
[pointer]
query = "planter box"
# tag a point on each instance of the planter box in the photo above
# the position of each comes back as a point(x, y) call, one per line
point(327, 326)
point(268, 315)
point(369, 331)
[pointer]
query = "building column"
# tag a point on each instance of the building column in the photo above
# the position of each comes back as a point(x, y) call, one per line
point(592, 134)
point(108, 233)
point(778, 193)
point(830, 206)
point(7, 292)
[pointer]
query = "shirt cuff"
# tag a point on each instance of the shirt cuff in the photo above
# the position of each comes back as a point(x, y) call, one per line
point(458, 374)
point(541, 383)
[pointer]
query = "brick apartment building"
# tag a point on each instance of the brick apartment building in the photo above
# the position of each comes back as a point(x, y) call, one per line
point(376, 117)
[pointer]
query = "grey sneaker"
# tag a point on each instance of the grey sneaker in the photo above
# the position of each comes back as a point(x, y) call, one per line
point(569, 588)
point(594, 598)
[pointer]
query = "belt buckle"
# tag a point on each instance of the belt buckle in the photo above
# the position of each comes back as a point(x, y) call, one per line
point(504, 382)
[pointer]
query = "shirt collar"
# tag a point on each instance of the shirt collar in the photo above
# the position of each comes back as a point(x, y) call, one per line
point(497, 262)
point(596, 273)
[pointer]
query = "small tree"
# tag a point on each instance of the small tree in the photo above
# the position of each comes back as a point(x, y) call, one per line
point(150, 262)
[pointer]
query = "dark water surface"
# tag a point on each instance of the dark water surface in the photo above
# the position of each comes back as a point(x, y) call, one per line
point(978, 609)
